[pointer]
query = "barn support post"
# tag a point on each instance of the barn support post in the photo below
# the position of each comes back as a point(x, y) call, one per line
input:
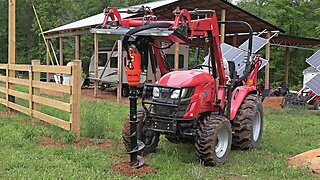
point(234, 40)
point(61, 51)
point(286, 66)
point(96, 64)
point(176, 57)
point(78, 47)
point(120, 71)
point(222, 26)
point(12, 45)
point(48, 61)
point(267, 69)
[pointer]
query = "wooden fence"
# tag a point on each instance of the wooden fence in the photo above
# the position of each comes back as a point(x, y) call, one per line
point(35, 100)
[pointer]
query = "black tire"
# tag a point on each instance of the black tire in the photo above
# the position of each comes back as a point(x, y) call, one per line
point(148, 137)
point(316, 105)
point(213, 132)
point(246, 126)
point(125, 91)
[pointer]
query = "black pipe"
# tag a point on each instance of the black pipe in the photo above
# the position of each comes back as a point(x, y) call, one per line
point(213, 60)
point(248, 62)
point(133, 125)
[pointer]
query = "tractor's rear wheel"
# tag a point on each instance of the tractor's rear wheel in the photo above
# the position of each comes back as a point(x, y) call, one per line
point(248, 124)
point(213, 140)
point(148, 137)
point(316, 105)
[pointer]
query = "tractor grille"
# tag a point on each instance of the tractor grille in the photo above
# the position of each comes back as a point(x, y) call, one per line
point(167, 111)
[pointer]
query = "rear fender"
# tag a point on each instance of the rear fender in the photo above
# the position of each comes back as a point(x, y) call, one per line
point(238, 95)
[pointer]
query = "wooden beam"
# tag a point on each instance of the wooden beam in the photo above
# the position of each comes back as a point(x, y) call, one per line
point(78, 47)
point(52, 69)
point(35, 91)
point(52, 86)
point(176, 56)
point(52, 120)
point(267, 69)
point(96, 64)
point(120, 71)
point(61, 50)
point(48, 61)
point(12, 45)
point(234, 40)
point(286, 66)
point(222, 26)
point(52, 103)
point(75, 99)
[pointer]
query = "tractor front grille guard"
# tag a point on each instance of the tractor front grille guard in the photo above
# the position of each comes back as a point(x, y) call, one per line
point(164, 111)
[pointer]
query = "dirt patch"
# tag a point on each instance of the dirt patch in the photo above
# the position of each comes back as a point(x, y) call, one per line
point(88, 142)
point(49, 142)
point(35, 123)
point(124, 168)
point(49, 92)
point(4, 113)
point(273, 103)
point(106, 96)
point(310, 159)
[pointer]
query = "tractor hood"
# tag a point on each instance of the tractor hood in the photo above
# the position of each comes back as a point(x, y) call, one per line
point(187, 78)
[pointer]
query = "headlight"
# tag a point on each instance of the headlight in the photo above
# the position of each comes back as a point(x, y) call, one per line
point(175, 94)
point(156, 92)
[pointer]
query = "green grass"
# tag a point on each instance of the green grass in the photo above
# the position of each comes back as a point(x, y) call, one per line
point(285, 134)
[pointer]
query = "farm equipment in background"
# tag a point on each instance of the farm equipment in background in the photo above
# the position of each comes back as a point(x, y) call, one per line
point(304, 98)
point(205, 105)
point(309, 95)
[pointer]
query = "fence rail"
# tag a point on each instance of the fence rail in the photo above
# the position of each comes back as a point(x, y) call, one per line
point(33, 96)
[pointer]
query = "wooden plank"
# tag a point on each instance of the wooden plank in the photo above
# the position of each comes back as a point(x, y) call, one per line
point(52, 103)
point(18, 94)
point(18, 67)
point(176, 57)
point(3, 78)
point(96, 65)
point(18, 81)
point(222, 26)
point(3, 66)
point(267, 68)
point(286, 66)
point(19, 108)
point(78, 47)
point(61, 50)
point(75, 99)
point(52, 120)
point(3, 90)
point(34, 91)
point(3, 102)
point(12, 46)
point(51, 86)
point(52, 69)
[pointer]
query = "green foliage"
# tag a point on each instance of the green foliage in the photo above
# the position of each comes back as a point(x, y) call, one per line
point(297, 18)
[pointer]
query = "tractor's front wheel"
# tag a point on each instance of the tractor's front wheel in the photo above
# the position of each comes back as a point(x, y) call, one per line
point(213, 140)
point(148, 137)
point(248, 124)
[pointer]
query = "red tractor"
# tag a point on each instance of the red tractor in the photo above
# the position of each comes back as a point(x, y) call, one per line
point(204, 105)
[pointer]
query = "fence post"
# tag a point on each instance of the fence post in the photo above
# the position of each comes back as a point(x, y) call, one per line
point(35, 76)
point(75, 99)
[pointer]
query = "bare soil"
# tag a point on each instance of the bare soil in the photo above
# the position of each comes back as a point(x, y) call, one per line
point(273, 103)
point(106, 96)
point(310, 159)
point(124, 168)
point(55, 93)
point(49, 142)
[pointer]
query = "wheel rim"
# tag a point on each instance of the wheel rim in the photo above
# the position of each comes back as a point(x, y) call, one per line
point(222, 143)
point(256, 126)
